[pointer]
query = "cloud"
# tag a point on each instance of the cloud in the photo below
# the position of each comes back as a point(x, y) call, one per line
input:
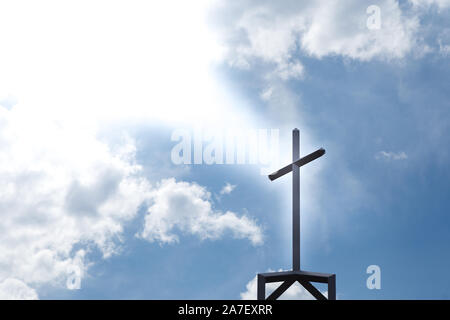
point(441, 4)
point(295, 292)
point(276, 33)
point(61, 186)
point(228, 188)
point(341, 29)
point(13, 289)
point(186, 208)
point(391, 155)
point(65, 193)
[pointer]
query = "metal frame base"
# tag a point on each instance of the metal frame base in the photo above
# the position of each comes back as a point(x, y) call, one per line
point(303, 277)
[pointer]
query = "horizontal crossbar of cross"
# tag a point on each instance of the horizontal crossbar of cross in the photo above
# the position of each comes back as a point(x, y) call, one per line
point(300, 162)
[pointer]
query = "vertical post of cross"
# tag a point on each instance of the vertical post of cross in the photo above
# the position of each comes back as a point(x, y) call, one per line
point(295, 201)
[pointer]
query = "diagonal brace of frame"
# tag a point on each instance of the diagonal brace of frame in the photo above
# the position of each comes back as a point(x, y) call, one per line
point(280, 290)
point(311, 289)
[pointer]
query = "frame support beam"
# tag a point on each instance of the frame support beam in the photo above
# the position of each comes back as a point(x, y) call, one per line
point(289, 277)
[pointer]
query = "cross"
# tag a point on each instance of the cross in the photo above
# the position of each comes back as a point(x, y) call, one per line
point(303, 277)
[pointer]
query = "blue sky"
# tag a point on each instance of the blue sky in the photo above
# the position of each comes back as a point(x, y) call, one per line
point(86, 122)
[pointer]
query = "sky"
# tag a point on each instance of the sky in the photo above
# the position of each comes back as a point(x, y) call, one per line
point(135, 140)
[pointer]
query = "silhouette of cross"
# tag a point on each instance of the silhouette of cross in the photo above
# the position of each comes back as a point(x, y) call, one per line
point(303, 277)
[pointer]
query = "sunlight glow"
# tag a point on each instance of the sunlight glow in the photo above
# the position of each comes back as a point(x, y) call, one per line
point(111, 60)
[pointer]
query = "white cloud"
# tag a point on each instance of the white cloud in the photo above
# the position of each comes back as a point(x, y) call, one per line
point(389, 155)
point(186, 208)
point(441, 4)
point(13, 289)
point(295, 292)
point(267, 94)
point(67, 69)
point(228, 188)
point(274, 33)
point(61, 186)
point(258, 33)
point(340, 29)
point(289, 70)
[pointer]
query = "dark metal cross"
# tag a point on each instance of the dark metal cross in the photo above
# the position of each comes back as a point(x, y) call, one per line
point(289, 277)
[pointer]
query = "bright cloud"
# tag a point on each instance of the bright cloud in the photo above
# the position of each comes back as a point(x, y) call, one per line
point(186, 208)
point(60, 186)
point(389, 155)
point(341, 29)
point(275, 32)
point(68, 69)
point(13, 289)
point(228, 188)
point(441, 4)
